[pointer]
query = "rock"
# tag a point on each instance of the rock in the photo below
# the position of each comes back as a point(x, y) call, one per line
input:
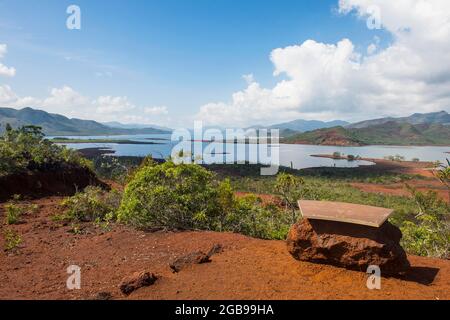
point(103, 296)
point(136, 281)
point(217, 248)
point(348, 245)
point(197, 257)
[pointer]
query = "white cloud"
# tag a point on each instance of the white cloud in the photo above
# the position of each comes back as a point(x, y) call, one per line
point(69, 102)
point(108, 105)
point(9, 98)
point(371, 49)
point(328, 81)
point(156, 111)
point(64, 99)
point(249, 78)
point(4, 70)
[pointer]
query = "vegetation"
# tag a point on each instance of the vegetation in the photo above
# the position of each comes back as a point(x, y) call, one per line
point(337, 155)
point(250, 216)
point(289, 187)
point(112, 168)
point(443, 174)
point(396, 158)
point(91, 205)
point(12, 239)
point(174, 196)
point(390, 133)
point(26, 149)
point(423, 218)
point(428, 234)
point(14, 211)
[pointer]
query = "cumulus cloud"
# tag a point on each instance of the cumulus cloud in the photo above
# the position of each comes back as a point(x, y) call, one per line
point(156, 111)
point(4, 70)
point(327, 81)
point(109, 104)
point(69, 102)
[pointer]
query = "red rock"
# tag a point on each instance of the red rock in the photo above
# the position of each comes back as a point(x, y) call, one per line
point(197, 257)
point(136, 281)
point(348, 245)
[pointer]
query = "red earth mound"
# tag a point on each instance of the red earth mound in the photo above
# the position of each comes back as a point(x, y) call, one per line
point(36, 184)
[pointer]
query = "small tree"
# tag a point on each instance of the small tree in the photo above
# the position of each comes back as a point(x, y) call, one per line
point(443, 174)
point(337, 155)
point(289, 187)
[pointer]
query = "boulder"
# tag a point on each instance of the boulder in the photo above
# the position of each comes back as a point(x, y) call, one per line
point(349, 246)
point(136, 281)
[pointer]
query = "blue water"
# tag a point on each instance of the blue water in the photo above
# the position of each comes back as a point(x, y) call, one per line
point(299, 156)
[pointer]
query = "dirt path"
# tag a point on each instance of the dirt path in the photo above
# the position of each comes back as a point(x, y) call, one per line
point(247, 268)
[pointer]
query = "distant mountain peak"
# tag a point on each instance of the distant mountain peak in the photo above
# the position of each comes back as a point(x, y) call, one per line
point(55, 124)
point(301, 125)
point(440, 117)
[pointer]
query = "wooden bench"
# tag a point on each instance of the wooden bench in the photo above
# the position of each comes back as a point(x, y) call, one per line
point(344, 212)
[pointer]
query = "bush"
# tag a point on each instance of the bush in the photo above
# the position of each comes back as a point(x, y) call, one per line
point(184, 196)
point(337, 155)
point(443, 174)
point(26, 149)
point(429, 234)
point(289, 187)
point(12, 239)
point(251, 217)
point(14, 211)
point(91, 205)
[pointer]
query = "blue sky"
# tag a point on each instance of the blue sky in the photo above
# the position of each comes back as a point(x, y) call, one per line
point(175, 55)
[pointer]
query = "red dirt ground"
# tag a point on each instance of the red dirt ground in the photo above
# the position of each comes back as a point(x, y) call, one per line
point(246, 269)
point(405, 167)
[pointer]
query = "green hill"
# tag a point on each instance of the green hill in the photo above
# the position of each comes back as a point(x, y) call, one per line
point(55, 124)
point(390, 133)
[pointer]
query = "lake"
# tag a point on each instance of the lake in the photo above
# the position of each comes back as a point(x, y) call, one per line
point(297, 156)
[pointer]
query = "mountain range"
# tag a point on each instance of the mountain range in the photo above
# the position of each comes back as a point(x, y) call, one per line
point(55, 124)
point(418, 129)
point(308, 125)
point(441, 117)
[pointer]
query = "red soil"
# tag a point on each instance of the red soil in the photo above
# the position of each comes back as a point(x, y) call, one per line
point(423, 169)
point(247, 268)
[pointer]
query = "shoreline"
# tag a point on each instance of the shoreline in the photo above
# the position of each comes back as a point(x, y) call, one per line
point(422, 168)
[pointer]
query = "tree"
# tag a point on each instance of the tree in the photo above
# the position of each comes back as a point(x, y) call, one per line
point(289, 188)
point(443, 174)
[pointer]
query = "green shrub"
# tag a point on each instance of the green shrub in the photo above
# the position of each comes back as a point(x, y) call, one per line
point(26, 149)
point(251, 217)
point(443, 174)
point(91, 205)
point(429, 233)
point(14, 211)
point(289, 187)
point(337, 155)
point(184, 196)
point(12, 239)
